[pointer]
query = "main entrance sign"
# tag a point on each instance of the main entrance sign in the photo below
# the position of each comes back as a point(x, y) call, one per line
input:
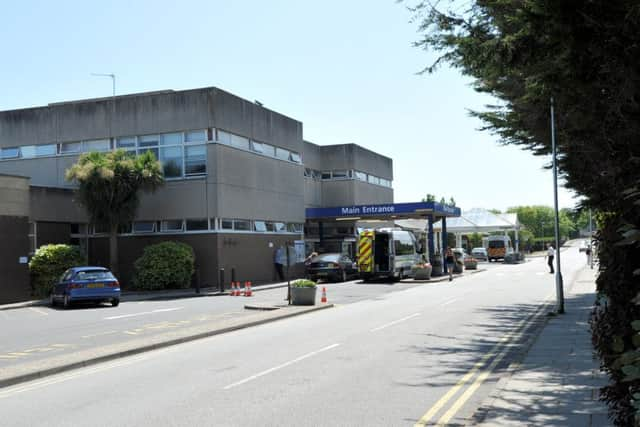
point(412, 210)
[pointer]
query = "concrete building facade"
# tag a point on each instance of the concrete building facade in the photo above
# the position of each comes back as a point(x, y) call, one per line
point(238, 176)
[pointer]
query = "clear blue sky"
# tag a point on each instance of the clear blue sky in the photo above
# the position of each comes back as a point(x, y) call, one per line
point(346, 69)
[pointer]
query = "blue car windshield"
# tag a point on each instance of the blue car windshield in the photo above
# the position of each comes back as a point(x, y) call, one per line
point(94, 275)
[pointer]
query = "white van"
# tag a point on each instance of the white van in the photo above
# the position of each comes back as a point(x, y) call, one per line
point(387, 253)
point(498, 247)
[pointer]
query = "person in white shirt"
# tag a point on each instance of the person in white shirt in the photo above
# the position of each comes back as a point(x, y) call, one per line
point(551, 254)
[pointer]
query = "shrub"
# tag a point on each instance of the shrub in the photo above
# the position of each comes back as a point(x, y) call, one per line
point(48, 264)
point(303, 283)
point(164, 265)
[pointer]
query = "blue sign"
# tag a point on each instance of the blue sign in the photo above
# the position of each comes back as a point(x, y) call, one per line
point(437, 209)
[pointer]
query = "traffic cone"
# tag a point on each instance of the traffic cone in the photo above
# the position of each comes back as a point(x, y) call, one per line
point(233, 289)
point(238, 289)
point(247, 289)
point(324, 295)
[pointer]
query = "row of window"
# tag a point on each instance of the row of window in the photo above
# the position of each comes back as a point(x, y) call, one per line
point(343, 174)
point(181, 153)
point(197, 224)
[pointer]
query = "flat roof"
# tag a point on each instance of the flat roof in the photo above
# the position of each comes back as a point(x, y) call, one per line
point(387, 211)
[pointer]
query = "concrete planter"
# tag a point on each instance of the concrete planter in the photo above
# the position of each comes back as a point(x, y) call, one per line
point(422, 272)
point(471, 265)
point(303, 296)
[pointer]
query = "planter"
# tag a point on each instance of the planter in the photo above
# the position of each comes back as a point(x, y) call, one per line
point(471, 265)
point(422, 273)
point(457, 267)
point(436, 269)
point(303, 295)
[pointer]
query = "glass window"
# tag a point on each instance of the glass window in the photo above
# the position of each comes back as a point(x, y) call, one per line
point(9, 153)
point(144, 226)
point(307, 172)
point(213, 224)
point(197, 224)
point(293, 227)
point(242, 224)
point(171, 225)
point(270, 226)
point(326, 175)
point(240, 142)
point(28, 151)
point(148, 140)
point(195, 160)
point(295, 157)
point(361, 176)
point(282, 154)
point(269, 150)
point(126, 142)
point(316, 174)
point(257, 146)
point(195, 136)
point(70, 147)
point(374, 179)
point(340, 174)
point(279, 227)
point(224, 137)
point(259, 226)
point(227, 224)
point(100, 229)
point(171, 138)
point(124, 228)
point(46, 150)
point(171, 159)
point(96, 145)
point(153, 150)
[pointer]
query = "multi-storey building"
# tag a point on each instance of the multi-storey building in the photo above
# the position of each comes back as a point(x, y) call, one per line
point(238, 179)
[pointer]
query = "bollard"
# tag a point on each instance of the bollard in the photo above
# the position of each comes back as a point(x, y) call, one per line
point(221, 281)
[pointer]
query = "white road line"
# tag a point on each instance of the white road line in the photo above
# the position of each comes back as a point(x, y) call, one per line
point(451, 301)
point(394, 322)
point(284, 365)
point(143, 313)
point(39, 311)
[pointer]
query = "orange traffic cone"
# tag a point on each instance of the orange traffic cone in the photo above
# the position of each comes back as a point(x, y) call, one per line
point(233, 289)
point(324, 295)
point(238, 291)
point(247, 289)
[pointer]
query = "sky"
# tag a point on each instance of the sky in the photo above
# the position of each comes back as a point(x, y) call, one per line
point(346, 69)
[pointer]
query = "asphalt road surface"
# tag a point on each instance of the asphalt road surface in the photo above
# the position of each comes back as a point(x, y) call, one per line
point(424, 354)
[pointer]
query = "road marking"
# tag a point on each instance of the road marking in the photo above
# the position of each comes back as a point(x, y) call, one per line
point(100, 334)
point(284, 365)
point(160, 310)
point(451, 301)
point(39, 311)
point(6, 356)
point(503, 341)
point(394, 322)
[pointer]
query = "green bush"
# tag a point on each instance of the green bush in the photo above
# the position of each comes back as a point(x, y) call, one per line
point(164, 265)
point(303, 283)
point(48, 264)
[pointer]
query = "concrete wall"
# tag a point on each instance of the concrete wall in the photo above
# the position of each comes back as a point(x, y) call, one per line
point(14, 195)
point(55, 205)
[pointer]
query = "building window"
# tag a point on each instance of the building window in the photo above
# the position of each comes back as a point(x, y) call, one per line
point(126, 142)
point(171, 138)
point(197, 224)
point(256, 146)
point(28, 151)
point(294, 227)
point(326, 175)
point(242, 225)
point(279, 227)
point(282, 154)
point(340, 174)
point(70, 147)
point(9, 153)
point(361, 176)
point(96, 145)
point(224, 137)
point(171, 159)
point(239, 142)
point(195, 136)
point(260, 226)
point(171, 225)
point(144, 226)
point(295, 157)
point(195, 160)
point(226, 224)
point(148, 140)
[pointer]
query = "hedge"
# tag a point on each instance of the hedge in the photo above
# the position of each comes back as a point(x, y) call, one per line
point(49, 263)
point(166, 265)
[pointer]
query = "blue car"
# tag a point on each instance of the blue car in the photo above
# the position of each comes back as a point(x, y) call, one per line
point(94, 284)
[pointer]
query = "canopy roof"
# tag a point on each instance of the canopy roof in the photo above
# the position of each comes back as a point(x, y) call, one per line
point(471, 221)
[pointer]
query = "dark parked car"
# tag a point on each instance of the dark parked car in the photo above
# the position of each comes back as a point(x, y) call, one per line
point(94, 284)
point(331, 266)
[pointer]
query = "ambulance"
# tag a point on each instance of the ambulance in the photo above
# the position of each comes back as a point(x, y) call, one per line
point(498, 247)
point(386, 253)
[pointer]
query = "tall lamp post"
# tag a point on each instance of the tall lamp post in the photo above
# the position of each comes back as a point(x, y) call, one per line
point(559, 285)
point(113, 80)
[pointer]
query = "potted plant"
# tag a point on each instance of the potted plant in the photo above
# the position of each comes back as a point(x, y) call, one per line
point(303, 292)
point(422, 271)
point(436, 265)
point(470, 263)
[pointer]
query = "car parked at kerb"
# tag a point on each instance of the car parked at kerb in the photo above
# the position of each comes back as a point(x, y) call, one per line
point(89, 284)
point(331, 266)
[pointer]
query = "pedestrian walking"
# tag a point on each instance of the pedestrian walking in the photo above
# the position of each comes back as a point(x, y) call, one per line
point(551, 254)
point(279, 261)
point(589, 259)
point(450, 259)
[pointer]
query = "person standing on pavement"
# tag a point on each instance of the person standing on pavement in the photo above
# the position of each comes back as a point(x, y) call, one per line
point(450, 259)
point(279, 261)
point(551, 254)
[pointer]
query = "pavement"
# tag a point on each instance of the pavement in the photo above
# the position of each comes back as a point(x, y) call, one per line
point(557, 382)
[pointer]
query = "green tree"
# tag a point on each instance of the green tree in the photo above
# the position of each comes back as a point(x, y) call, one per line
point(429, 198)
point(583, 55)
point(109, 186)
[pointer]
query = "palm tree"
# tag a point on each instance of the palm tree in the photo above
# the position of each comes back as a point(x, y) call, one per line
point(109, 185)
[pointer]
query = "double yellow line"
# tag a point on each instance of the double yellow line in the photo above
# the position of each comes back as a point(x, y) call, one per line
point(498, 352)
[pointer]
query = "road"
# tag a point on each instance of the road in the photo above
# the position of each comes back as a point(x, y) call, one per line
point(426, 354)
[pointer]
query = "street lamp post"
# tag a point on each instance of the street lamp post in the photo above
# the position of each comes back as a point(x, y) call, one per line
point(113, 80)
point(559, 285)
